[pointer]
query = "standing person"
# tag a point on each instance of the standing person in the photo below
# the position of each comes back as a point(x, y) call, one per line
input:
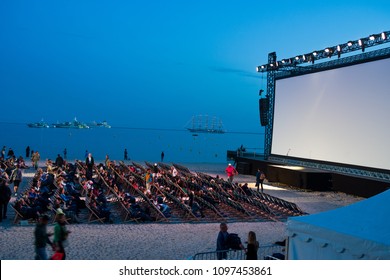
point(60, 234)
point(125, 155)
point(89, 161)
point(16, 177)
point(222, 244)
point(10, 153)
point(260, 176)
point(59, 161)
point(3, 152)
point(148, 179)
point(35, 159)
point(162, 156)
point(5, 196)
point(231, 172)
point(42, 238)
point(107, 161)
point(155, 172)
point(27, 152)
point(65, 154)
point(253, 246)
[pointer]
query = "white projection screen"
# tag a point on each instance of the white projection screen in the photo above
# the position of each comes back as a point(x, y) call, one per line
point(340, 115)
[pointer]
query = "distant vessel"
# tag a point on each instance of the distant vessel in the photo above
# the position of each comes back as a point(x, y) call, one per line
point(74, 124)
point(100, 124)
point(40, 124)
point(203, 124)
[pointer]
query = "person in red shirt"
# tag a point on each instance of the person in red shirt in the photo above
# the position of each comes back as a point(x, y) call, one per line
point(231, 172)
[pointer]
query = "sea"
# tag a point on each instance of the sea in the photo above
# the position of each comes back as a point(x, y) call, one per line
point(179, 146)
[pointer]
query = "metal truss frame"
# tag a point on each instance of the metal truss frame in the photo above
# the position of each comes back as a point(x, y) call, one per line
point(272, 75)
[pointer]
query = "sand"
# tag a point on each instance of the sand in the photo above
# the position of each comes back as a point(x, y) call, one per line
point(157, 241)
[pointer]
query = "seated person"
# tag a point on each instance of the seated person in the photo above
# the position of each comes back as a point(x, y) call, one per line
point(101, 212)
point(25, 210)
point(195, 207)
point(246, 189)
point(163, 207)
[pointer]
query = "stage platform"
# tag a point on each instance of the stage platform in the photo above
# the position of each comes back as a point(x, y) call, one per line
point(311, 179)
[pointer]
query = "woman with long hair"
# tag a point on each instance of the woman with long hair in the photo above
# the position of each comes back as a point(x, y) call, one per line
point(253, 246)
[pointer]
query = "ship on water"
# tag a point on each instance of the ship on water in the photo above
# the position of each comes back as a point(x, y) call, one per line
point(40, 124)
point(74, 124)
point(103, 124)
point(204, 124)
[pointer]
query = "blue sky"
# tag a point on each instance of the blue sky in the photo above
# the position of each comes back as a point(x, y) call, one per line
point(157, 63)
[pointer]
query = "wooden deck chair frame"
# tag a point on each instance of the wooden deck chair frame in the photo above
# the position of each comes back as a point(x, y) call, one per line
point(93, 216)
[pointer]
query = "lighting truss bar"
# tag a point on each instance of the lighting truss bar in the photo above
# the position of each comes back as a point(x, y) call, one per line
point(333, 168)
point(338, 50)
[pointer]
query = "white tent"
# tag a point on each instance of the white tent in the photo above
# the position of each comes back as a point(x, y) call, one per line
point(357, 231)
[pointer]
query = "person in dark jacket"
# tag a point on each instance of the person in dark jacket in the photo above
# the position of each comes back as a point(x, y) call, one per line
point(222, 244)
point(89, 161)
point(5, 196)
point(59, 161)
point(42, 238)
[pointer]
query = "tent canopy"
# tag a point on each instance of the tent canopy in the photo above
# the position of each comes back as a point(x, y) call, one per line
point(357, 231)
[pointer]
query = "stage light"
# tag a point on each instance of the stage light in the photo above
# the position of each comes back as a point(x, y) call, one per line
point(304, 58)
point(327, 50)
point(338, 48)
point(297, 58)
point(350, 44)
point(383, 36)
point(272, 65)
point(283, 61)
point(315, 53)
point(262, 66)
point(372, 37)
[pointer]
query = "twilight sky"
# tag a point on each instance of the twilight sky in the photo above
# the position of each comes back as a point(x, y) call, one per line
point(157, 63)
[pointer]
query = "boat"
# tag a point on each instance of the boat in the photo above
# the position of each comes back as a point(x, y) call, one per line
point(74, 124)
point(99, 124)
point(204, 124)
point(40, 124)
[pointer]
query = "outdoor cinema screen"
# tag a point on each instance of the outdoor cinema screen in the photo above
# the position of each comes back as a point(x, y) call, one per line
point(340, 115)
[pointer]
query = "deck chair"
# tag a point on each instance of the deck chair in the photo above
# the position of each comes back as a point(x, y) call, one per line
point(18, 215)
point(93, 216)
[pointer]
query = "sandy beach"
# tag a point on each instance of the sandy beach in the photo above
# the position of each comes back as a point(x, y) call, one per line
point(163, 241)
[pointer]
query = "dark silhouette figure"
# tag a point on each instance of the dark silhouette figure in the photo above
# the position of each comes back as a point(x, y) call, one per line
point(28, 152)
point(125, 155)
point(162, 156)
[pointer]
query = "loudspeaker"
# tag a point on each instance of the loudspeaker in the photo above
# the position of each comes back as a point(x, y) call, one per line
point(263, 109)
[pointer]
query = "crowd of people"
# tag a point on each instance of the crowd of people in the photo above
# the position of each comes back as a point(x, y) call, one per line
point(60, 190)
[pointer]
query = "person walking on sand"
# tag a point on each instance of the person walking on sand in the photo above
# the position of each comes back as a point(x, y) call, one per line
point(16, 177)
point(35, 159)
point(162, 156)
point(253, 246)
point(60, 234)
point(125, 155)
point(260, 176)
point(231, 172)
point(5, 197)
point(27, 152)
point(42, 238)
